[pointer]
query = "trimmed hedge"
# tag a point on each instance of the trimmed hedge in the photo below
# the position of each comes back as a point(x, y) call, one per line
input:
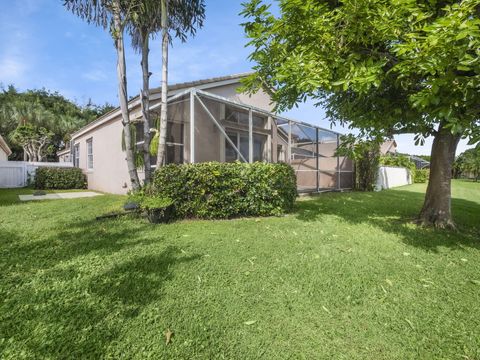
point(59, 178)
point(224, 190)
point(421, 175)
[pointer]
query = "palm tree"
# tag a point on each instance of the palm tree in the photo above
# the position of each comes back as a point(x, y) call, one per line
point(183, 17)
point(142, 26)
point(115, 14)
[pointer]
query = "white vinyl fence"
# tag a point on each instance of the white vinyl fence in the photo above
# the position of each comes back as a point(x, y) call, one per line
point(14, 174)
point(390, 177)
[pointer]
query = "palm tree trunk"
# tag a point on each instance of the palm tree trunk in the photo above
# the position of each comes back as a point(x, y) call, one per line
point(145, 96)
point(122, 95)
point(163, 112)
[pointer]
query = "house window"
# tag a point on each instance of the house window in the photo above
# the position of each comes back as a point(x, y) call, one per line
point(90, 154)
point(76, 155)
point(240, 117)
point(240, 139)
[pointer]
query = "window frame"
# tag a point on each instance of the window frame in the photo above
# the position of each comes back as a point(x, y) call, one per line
point(90, 162)
point(236, 136)
point(76, 155)
point(239, 117)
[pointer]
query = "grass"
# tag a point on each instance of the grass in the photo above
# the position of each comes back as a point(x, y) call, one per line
point(344, 277)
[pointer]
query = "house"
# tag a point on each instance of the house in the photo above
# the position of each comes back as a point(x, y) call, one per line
point(389, 147)
point(64, 155)
point(208, 120)
point(4, 150)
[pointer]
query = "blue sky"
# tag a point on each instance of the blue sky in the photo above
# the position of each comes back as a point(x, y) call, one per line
point(43, 45)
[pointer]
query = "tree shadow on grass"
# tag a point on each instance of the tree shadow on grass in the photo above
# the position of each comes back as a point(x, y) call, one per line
point(78, 239)
point(138, 282)
point(393, 211)
point(82, 320)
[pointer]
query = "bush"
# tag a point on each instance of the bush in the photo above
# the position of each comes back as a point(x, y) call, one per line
point(59, 178)
point(157, 209)
point(226, 190)
point(366, 155)
point(399, 161)
point(421, 175)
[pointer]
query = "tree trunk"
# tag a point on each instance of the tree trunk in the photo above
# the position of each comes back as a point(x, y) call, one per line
point(40, 150)
point(122, 95)
point(33, 152)
point(163, 112)
point(27, 153)
point(436, 208)
point(145, 96)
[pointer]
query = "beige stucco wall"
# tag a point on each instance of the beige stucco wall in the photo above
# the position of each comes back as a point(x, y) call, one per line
point(207, 135)
point(260, 99)
point(109, 173)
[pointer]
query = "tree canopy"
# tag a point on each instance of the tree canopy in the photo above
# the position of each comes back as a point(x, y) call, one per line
point(384, 67)
point(392, 66)
point(34, 114)
point(467, 164)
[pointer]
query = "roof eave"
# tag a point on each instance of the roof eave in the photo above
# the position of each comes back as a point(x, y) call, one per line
point(207, 83)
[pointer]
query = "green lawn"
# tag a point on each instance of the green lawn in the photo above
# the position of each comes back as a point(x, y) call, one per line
point(346, 276)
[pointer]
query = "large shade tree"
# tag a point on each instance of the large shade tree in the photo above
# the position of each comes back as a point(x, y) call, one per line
point(385, 67)
point(114, 15)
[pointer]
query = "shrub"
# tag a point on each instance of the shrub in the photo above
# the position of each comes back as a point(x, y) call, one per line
point(226, 190)
point(157, 209)
point(59, 178)
point(365, 153)
point(398, 160)
point(421, 175)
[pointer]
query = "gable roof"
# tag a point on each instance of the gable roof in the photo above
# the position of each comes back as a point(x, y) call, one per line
point(4, 146)
point(388, 146)
point(155, 92)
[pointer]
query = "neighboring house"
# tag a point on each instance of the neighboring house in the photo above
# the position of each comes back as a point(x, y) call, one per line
point(222, 125)
point(4, 150)
point(389, 147)
point(64, 155)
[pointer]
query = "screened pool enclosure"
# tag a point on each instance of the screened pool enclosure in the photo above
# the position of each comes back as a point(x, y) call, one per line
point(206, 127)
